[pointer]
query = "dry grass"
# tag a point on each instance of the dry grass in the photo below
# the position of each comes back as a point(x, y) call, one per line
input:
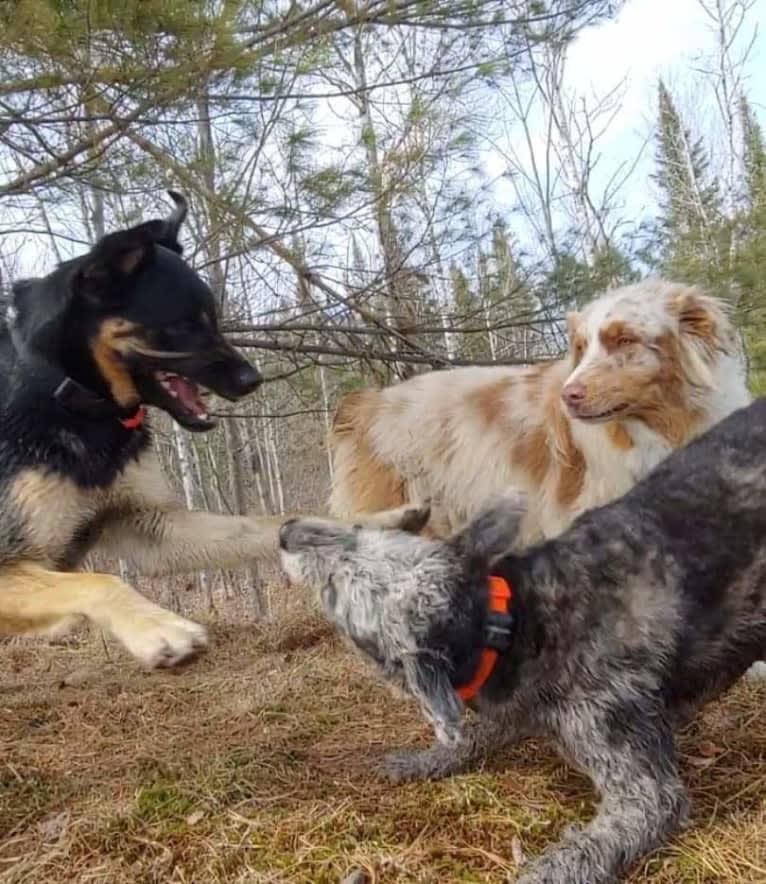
point(257, 765)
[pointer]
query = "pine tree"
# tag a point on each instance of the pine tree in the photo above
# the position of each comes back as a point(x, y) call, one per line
point(692, 230)
point(751, 258)
point(754, 161)
point(508, 298)
point(468, 314)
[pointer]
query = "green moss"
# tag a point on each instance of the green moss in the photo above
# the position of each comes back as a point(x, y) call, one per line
point(162, 802)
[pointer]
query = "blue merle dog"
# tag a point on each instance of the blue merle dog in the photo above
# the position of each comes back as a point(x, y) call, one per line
point(616, 632)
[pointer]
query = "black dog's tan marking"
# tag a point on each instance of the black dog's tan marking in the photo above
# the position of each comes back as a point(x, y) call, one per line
point(116, 337)
point(128, 323)
point(623, 627)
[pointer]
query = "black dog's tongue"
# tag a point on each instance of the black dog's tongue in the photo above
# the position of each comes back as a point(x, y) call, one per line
point(188, 394)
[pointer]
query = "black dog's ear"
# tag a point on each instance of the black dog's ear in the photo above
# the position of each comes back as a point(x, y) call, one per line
point(165, 233)
point(494, 531)
point(118, 256)
point(20, 287)
point(102, 273)
point(173, 222)
point(22, 303)
point(428, 681)
point(21, 290)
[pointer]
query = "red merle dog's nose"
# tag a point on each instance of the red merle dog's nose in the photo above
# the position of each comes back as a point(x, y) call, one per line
point(574, 394)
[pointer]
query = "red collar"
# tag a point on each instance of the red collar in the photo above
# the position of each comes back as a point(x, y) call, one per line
point(135, 421)
point(496, 637)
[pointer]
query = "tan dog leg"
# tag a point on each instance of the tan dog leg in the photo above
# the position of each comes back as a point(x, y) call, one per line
point(178, 541)
point(181, 541)
point(35, 600)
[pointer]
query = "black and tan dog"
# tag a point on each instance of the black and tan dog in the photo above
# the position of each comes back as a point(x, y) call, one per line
point(82, 352)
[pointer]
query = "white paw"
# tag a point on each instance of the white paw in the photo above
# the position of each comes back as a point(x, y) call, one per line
point(159, 638)
point(757, 671)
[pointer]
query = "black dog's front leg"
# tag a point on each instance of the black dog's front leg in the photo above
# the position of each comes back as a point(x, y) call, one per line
point(438, 761)
point(643, 802)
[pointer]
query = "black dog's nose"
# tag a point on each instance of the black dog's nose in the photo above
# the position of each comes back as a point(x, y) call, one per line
point(246, 378)
point(284, 533)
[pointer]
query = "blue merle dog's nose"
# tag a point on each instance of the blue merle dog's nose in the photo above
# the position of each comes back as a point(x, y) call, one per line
point(285, 532)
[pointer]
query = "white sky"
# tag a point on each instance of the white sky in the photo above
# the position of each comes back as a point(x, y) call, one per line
point(648, 40)
point(652, 39)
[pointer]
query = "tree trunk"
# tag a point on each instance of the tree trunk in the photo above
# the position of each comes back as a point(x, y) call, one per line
point(399, 307)
point(214, 259)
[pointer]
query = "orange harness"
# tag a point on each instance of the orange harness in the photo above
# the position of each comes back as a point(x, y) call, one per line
point(496, 639)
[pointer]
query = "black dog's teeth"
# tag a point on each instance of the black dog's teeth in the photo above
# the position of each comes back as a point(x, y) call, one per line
point(166, 379)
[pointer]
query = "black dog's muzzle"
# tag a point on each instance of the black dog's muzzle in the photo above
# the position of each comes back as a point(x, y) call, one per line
point(219, 368)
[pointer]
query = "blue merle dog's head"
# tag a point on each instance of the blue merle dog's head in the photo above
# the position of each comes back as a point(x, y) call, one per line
point(397, 596)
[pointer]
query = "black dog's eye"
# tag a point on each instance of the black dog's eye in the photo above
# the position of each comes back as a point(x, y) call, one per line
point(184, 327)
point(201, 324)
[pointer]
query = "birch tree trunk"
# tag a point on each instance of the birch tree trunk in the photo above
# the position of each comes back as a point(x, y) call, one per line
point(186, 464)
point(398, 307)
point(213, 249)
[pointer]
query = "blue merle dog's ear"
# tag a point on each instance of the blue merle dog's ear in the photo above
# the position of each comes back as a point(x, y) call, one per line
point(494, 531)
point(429, 683)
point(410, 517)
point(415, 517)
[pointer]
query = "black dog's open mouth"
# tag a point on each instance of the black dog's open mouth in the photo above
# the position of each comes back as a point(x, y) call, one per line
point(178, 383)
point(182, 398)
point(186, 391)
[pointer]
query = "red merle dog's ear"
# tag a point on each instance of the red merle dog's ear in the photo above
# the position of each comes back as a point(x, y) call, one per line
point(699, 315)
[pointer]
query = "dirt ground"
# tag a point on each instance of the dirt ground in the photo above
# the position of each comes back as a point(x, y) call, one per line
point(257, 764)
